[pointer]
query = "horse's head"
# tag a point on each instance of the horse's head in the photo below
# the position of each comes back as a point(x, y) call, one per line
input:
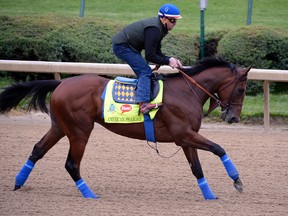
point(225, 79)
point(232, 95)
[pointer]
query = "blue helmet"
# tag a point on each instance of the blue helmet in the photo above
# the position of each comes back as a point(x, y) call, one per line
point(169, 11)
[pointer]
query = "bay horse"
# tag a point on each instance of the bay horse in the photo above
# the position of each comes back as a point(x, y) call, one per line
point(76, 104)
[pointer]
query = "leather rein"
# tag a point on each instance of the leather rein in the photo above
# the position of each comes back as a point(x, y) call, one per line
point(213, 96)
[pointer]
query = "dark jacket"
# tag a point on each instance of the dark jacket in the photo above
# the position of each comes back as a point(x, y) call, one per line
point(145, 35)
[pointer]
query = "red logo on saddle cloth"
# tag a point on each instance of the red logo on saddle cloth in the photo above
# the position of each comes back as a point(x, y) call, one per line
point(126, 108)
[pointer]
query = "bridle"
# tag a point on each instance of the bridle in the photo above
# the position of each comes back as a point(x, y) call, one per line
point(224, 107)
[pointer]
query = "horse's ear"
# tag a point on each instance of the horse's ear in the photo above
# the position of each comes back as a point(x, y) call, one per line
point(247, 70)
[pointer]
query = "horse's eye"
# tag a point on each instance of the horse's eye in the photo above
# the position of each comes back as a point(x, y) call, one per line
point(240, 91)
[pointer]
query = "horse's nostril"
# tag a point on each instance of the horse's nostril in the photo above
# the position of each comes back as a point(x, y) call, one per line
point(233, 120)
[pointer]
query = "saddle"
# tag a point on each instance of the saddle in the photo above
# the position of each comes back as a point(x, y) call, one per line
point(124, 89)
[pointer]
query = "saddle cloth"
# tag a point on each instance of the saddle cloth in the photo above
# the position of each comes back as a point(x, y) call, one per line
point(119, 101)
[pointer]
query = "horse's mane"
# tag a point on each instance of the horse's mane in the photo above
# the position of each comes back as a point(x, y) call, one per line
point(202, 65)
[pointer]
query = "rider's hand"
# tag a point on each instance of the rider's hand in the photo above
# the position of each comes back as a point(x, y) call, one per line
point(174, 63)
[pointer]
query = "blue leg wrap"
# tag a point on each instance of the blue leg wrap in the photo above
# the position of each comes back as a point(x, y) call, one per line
point(229, 166)
point(23, 174)
point(205, 189)
point(85, 190)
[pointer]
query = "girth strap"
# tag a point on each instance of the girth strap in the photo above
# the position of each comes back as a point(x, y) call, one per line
point(149, 128)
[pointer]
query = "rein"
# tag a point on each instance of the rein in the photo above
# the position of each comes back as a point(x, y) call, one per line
point(203, 89)
point(157, 151)
point(226, 107)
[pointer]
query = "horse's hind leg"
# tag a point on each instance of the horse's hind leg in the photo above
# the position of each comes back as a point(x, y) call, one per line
point(39, 150)
point(76, 151)
point(78, 133)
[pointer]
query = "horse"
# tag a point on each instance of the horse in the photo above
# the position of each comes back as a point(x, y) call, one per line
point(76, 105)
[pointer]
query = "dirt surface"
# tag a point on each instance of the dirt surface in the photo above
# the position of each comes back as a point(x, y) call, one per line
point(132, 179)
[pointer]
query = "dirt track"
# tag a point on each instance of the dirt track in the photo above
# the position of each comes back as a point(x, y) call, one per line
point(132, 180)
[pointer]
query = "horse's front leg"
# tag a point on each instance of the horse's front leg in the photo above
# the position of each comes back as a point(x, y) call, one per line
point(195, 140)
point(194, 163)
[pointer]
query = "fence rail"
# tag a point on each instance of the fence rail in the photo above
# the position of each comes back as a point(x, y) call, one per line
point(58, 68)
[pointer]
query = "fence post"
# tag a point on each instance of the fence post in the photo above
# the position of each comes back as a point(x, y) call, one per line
point(57, 76)
point(266, 104)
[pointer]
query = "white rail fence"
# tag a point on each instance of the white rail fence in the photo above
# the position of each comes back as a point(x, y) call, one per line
point(124, 70)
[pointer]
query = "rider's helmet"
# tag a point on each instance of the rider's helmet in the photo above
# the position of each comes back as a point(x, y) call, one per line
point(169, 11)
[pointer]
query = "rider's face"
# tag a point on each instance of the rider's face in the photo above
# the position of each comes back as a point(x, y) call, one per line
point(171, 22)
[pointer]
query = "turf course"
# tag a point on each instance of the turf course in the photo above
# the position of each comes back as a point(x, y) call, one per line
point(222, 14)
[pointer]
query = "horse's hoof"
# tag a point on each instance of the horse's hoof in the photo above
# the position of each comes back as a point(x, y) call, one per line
point(238, 185)
point(16, 187)
point(212, 198)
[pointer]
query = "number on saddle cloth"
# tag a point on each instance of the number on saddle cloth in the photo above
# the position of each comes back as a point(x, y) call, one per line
point(124, 90)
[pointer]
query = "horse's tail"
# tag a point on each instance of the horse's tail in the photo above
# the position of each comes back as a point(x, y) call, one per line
point(36, 91)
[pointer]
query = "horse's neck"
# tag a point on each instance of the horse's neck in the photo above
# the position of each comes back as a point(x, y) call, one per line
point(210, 80)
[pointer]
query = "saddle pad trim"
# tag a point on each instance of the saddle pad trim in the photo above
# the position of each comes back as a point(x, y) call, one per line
point(126, 80)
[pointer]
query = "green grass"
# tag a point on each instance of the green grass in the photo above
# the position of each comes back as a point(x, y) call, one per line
point(253, 108)
point(224, 14)
point(254, 105)
point(5, 82)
